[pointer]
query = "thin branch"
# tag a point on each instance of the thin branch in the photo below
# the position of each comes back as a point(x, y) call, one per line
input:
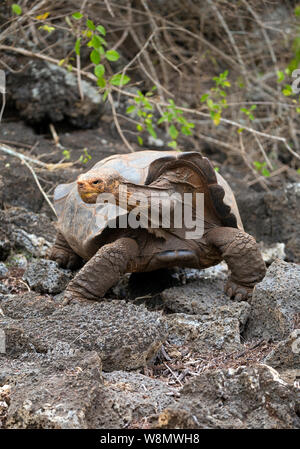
point(111, 101)
point(11, 152)
point(40, 187)
point(275, 173)
point(232, 41)
point(109, 8)
point(244, 156)
point(263, 152)
point(3, 104)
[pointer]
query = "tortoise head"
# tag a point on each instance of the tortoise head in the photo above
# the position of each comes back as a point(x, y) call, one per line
point(92, 184)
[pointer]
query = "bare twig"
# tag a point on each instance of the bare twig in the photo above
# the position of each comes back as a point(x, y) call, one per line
point(109, 8)
point(275, 173)
point(3, 105)
point(54, 134)
point(244, 156)
point(173, 374)
point(11, 152)
point(111, 101)
point(39, 186)
point(263, 152)
point(230, 37)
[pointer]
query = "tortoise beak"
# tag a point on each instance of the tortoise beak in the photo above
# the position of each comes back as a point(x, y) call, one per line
point(87, 192)
point(84, 186)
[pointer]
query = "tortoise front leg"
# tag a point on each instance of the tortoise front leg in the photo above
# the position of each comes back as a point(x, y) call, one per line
point(63, 254)
point(102, 271)
point(243, 257)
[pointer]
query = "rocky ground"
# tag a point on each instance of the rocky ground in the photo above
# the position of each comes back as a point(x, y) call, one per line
point(164, 349)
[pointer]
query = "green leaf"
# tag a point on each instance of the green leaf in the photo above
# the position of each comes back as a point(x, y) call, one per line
point(112, 55)
point(16, 9)
point(119, 80)
point(101, 82)
point(139, 128)
point(66, 154)
point(96, 41)
point(217, 169)
point(173, 132)
point(151, 130)
point(162, 119)
point(140, 140)
point(297, 11)
point(181, 120)
point(210, 103)
point(90, 24)
point(240, 130)
point(77, 15)
point(130, 109)
point(101, 30)
point(88, 34)
point(77, 46)
point(95, 57)
point(217, 118)
point(280, 76)
point(265, 172)
point(101, 50)
point(99, 70)
point(287, 91)
point(172, 144)
point(105, 95)
point(186, 131)
point(257, 165)
point(47, 28)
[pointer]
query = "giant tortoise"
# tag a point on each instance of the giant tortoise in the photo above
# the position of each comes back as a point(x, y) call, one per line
point(90, 230)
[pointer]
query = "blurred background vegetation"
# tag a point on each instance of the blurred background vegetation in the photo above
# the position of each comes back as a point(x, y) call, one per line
point(213, 75)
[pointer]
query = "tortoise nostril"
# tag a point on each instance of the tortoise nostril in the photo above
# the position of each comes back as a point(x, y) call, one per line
point(80, 183)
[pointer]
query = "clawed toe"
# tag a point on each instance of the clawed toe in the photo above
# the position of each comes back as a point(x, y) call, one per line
point(65, 259)
point(75, 296)
point(71, 296)
point(238, 292)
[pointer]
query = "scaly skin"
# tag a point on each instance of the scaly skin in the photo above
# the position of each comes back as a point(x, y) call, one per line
point(102, 271)
point(63, 254)
point(243, 257)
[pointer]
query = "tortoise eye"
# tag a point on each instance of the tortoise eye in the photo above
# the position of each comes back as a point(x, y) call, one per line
point(96, 182)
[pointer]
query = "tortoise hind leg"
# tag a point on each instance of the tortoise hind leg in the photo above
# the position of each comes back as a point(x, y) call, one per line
point(243, 257)
point(102, 271)
point(63, 254)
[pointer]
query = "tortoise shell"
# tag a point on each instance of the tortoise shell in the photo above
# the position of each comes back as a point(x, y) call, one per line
point(82, 223)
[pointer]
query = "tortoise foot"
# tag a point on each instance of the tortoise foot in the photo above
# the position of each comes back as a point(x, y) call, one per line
point(65, 259)
point(237, 292)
